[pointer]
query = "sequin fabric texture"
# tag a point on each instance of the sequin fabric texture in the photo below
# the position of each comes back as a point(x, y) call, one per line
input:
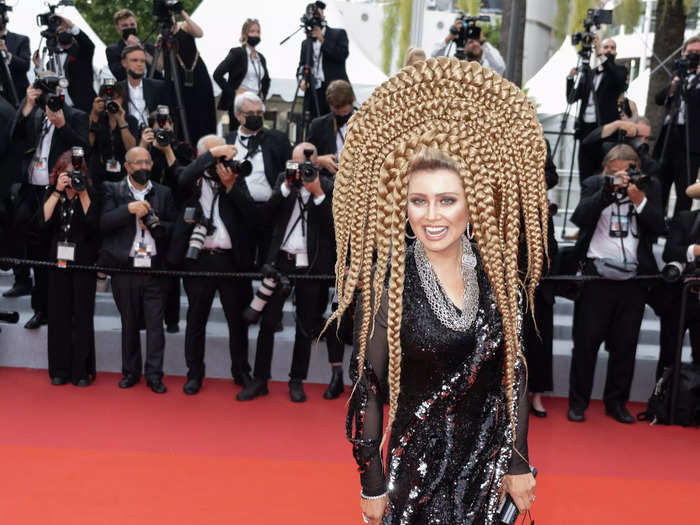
point(451, 442)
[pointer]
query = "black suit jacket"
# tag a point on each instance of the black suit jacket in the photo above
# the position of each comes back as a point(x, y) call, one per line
point(334, 51)
point(276, 152)
point(320, 235)
point(236, 209)
point(594, 199)
point(672, 107)
point(155, 93)
point(27, 131)
point(236, 66)
point(18, 45)
point(114, 58)
point(118, 226)
point(9, 160)
point(78, 70)
point(684, 230)
point(605, 97)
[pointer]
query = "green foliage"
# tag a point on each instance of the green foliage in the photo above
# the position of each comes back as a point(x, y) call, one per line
point(405, 19)
point(389, 32)
point(470, 7)
point(561, 20)
point(99, 14)
point(581, 7)
point(492, 31)
point(627, 13)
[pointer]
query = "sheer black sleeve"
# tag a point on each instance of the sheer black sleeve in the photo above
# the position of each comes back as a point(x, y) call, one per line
point(366, 409)
point(518, 464)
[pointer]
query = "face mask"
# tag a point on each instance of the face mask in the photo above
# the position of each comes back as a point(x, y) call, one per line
point(141, 176)
point(253, 40)
point(610, 56)
point(341, 120)
point(135, 76)
point(253, 122)
point(65, 38)
point(126, 33)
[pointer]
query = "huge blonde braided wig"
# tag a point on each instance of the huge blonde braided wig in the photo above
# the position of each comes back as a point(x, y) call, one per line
point(488, 127)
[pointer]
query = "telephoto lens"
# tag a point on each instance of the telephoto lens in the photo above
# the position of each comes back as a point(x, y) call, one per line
point(199, 233)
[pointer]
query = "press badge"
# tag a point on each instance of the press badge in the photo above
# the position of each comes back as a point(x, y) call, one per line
point(65, 252)
point(142, 256)
point(619, 225)
point(40, 163)
point(302, 260)
point(113, 166)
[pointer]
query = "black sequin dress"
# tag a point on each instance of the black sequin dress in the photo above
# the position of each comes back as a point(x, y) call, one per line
point(451, 441)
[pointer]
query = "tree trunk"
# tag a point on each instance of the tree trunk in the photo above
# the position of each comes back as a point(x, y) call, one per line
point(516, 69)
point(668, 36)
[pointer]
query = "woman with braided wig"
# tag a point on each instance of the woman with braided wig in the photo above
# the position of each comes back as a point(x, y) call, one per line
point(442, 148)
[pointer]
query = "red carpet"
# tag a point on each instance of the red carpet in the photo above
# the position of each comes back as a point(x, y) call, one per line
point(102, 455)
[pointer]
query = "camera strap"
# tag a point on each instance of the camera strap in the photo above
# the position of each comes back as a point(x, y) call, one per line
point(300, 219)
point(39, 148)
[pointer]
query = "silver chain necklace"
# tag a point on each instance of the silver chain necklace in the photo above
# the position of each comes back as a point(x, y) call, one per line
point(438, 299)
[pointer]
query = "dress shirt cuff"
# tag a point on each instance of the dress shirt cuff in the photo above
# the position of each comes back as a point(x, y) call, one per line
point(318, 200)
point(690, 253)
point(284, 190)
point(639, 209)
point(75, 30)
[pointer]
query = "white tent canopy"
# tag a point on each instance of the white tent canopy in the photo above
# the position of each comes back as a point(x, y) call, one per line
point(222, 22)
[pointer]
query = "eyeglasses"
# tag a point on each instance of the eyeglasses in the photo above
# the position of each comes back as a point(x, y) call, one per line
point(252, 113)
point(251, 21)
point(141, 162)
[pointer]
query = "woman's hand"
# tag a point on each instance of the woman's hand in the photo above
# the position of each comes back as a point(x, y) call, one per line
point(521, 488)
point(374, 509)
point(63, 182)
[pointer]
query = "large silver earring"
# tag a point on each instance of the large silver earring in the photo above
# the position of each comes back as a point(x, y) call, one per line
point(470, 233)
point(409, 237)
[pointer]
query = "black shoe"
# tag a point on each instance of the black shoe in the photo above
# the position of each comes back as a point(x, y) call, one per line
point(538, 413)
point(85, 381)
point(296, 391)
point(58, 381)
point(172, 328)
point(192, 386)
point(335, 387)
point(256, 388)
point(577, 416)
point(243, 380)
point(157, 386)
point(128, 381)
point(36, 321)
point(619, 413)
point(18, 290)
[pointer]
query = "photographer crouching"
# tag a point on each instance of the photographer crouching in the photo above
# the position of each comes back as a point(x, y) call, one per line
point(71, 216)
point(303, 241)
point(619, 215)
point(136, 223)
point(213, 236)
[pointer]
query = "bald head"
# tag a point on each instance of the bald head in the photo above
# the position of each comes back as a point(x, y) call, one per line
point(136, 153)
point(609, 47)
point(298, 152)
point(208, 142)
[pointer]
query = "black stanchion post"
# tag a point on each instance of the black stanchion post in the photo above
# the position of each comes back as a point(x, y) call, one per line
point(678, 358)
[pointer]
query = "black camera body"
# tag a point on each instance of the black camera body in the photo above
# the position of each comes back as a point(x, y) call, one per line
point(49, 97)
point(163, 11)
point(311, 18)
point(687, 65)
point(78, 181)
point(51, 20)
point(467, 31)
point(241, 167)
point(639, 179)
point(297, 173)
point(594, 17)
point(110, 105)
point(152, 223)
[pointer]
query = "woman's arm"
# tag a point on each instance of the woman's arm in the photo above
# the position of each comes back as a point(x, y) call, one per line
point(190, 27)
point(50, 205)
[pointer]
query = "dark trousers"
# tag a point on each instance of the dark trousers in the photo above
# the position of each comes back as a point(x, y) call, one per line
point(673, 169)
point(670, 318)
point(310, 103)
point(538, 347)
point(611, 312)
point(172, 301)
point(71, 331)
point(336, 348)
point(311, 299)
point(141, 298)
point(586, 165)
point(235, 295)
point(261, 236)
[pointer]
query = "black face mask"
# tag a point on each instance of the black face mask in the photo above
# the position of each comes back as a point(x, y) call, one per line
point(341, 120)
point(141, 176)
point(253, 122)
point(134, 75)
point(126, 33)
point(611, 57)
point(64, 38)
point(253, 41)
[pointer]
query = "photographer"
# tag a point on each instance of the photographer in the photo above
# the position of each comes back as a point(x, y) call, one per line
point(268, 150)
point(141, 95)
point(77, 51)
point(219, 214)
point(168, 153)
point(682, 250)
point(42, 134)
point(598, 89)
point(328, 132)
point(475, 49)
point(329, 51)
point(246, 69)
point(14, 49)
point(679, 140)
point(302, 242)
point(136, 223)
point(126, 26)
point(112, 134)
point(619, 215)
point(71, 218)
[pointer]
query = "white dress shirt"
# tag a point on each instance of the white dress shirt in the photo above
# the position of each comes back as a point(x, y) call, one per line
point(590, 114)
point(296, 238)
point(220, 238)
point(40, 164)
point(603, 246)
point(142, 236)
point(490, 57)
point(318, 62)
point(253, 76)
point(340, 140)
point(137, 103)
point(258, 185)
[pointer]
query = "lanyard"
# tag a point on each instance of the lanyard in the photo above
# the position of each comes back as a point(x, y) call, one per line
point(301, 218)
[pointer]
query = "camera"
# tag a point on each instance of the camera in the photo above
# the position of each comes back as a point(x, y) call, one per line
point(77, 179)
point(311, 18)
point(594, 17)
point(468, 30)
point(636, 177)
point(51, 20)
point(297, 173)
point(272, 281)
point(108, 87)
point(202, 228)
point(49, 97)
point(687, 64)
point(163, 11)
point(164, 137)
point(243, 168)
point(153, 224)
